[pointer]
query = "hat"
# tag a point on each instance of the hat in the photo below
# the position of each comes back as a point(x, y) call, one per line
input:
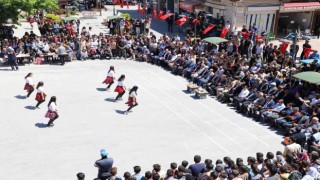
point(104, 152)
point(315, 118)
point(273, 84)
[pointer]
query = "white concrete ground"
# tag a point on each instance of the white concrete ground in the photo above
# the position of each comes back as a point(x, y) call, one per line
point(167, 126)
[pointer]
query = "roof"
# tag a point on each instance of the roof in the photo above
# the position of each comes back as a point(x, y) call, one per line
point(301, 4)
point(309, 76)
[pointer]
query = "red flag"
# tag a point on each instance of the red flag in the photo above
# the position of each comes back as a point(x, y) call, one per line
point(118, 2)
point(224, 32)
point(160, 14)
point(245, 35)
point(143, 10)
point(122, 1)
point(307, 52)
point(139, 8)
point(164, 17)
point(195, 21)
point(127, 4)
point(154, 14)
point(181, 21)
point(211, 26)
point(284, 47)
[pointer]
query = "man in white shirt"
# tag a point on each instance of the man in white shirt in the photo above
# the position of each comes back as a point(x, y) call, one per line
point(242, 95)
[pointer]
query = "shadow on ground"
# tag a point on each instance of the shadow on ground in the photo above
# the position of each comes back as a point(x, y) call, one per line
point(101, 89)
point(120, 111)
point(30, 107)
point(20, 97)
point(41, 125)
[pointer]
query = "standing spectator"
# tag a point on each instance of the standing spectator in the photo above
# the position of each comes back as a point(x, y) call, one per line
point(197, 167)
point(104, 164)
point(170, 23)
point(62, 53)
point(137, 170)
point(81, 176)
point(12, 58)
point(305, 45)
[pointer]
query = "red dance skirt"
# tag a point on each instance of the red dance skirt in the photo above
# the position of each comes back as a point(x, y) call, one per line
point(27, 87)
point(119, 89)
point(39, 97)
point(108, 80)
point(130, 101)
point(50, 114)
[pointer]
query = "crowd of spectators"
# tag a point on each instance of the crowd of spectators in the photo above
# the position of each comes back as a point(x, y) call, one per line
point(292, 164)
point(252, 77)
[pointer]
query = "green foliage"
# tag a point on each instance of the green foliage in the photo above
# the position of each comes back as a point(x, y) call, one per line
point(10, 9)
point(30, 6)
point(126, 16)
point(53, 17)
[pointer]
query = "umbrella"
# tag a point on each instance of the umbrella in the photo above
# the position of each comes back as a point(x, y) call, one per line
point(307, 61)
point(69, 18)
point(181, 21)
point(113, 17)
point(215, 40)
point(309, 76)
point(211, 26)
point(166, 16)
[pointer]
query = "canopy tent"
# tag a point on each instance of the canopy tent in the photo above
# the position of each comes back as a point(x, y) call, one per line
point(114, 17)
point(307, 61)
point(164, 17)
point(309, 76)
point(215, 40)
point(70, 18)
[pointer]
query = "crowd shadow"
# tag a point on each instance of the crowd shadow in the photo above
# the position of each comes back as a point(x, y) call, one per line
point(101, 89)
point(120, 111)
point(30, 107)
point(20, 97)
point(5, 69)
point(41, 125)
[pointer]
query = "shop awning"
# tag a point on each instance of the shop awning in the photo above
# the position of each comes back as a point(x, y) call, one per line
point(189, 5)
point(301, 5)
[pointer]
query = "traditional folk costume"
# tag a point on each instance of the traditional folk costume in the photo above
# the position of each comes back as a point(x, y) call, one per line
point(29, 86)
point(132, 101)
point(120, 89)
point(52, 114)
point(39, 97)
point(109, 79)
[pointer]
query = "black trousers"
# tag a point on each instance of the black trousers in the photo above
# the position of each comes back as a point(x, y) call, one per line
point(13, 64)
point(62, 59)
point(40, 102)
point(31, 90)
point(110, 84)
point(53, 119)
point(132, 107)
point(120, 95)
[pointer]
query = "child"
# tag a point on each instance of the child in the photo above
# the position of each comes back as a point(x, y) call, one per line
point(41, 96)
point(52, 112)
point(120, 89)
point(132, 100)
point(29, 86)
point(110, 78)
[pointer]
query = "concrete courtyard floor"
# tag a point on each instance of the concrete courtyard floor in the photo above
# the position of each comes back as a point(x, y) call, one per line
point(169, 125)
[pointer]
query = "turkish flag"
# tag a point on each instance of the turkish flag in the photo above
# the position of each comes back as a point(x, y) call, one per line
point(284, 47)
point(181, 21)
point(245, 35)
point(127, 4)
point(211, 26)
point(154, 14)
point(307, 52)
point(160, 14)
point(122, 2)
point(224, 32)
point(143, 10)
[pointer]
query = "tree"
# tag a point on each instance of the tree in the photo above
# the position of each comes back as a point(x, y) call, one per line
point(10, 10)
point(30, 6)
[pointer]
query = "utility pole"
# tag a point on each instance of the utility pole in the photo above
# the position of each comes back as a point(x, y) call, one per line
point(101, 7)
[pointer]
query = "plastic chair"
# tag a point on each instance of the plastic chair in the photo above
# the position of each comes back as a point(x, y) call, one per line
point(271, 36)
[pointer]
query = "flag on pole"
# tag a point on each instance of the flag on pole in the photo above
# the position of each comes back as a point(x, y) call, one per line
point(139, 8)
point(224, 32)
point(284, 47)
point(122, 1)
point(143, 10)
point(154, 14)
point(127, 4)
